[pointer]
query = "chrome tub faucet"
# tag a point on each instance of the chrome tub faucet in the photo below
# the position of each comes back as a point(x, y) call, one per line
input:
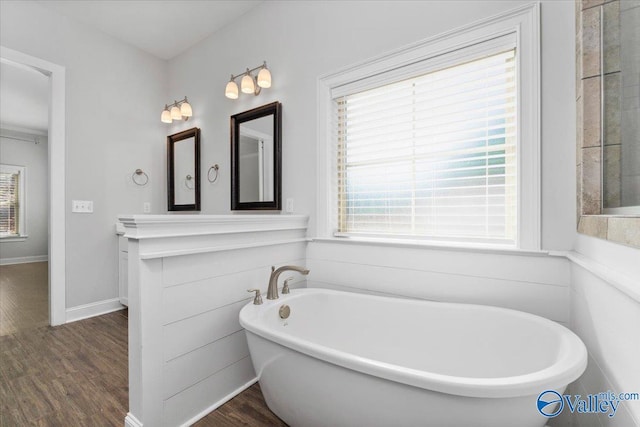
point(272, 292)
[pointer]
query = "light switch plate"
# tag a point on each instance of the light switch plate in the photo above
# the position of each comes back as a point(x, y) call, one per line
point(82, 206)
point(289, 206)
point(146, 207)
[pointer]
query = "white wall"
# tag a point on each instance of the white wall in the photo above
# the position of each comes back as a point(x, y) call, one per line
point(34, 157)
point(304, 40)
point(114, 95)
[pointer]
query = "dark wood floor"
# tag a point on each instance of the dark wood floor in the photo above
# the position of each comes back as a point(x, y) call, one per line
point(246, 409)
point(24, 297)
point(77, 375)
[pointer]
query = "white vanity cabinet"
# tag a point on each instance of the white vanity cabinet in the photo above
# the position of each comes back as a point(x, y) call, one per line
point(123, 265)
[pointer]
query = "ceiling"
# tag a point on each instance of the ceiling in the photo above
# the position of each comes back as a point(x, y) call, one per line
point(24, 104)
point(163, 28)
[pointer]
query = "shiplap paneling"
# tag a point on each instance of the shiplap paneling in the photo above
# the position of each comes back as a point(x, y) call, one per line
point(204, 396)
point(518, 267)
point(187, 370)
point(537, 284)
point(197, 331)
point(607, 322)
point(201, 266)
point(217, 290)
point(189, 277)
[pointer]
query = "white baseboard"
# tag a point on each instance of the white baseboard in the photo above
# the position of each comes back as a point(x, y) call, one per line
point(94, 309)
point(131, 421)
point(216, 405)
point(24, 259)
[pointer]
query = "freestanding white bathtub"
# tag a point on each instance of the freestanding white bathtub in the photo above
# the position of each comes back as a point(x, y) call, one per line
point(346, 359)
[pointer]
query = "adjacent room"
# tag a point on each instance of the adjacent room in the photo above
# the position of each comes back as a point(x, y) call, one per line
point(320, 213)
point(24, 216)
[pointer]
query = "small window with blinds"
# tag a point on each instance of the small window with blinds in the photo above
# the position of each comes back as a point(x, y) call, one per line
point(11, 197)
point(431, 157)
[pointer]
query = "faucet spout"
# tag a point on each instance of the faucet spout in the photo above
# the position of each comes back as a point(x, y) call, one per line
point(272, 292)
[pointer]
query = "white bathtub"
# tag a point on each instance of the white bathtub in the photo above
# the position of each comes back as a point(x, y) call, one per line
point(345, 359)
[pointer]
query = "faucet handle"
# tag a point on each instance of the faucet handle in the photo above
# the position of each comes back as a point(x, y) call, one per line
point(285, 287)
point(258, 298)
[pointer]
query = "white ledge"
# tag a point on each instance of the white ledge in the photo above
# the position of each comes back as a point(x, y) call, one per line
point(427, 245)
point(162, 226)
point(208, 249)
point(624, 284)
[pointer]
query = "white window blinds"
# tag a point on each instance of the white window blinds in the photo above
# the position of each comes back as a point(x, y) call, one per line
point(9, 202)
point(432, 156)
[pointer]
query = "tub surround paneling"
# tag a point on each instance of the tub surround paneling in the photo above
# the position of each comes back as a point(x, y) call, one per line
point(188, 280)
point(606, 320)
point(605, 313)
point(537, 284)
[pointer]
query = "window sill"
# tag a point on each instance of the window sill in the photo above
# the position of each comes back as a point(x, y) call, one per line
point(12, 238)
point(443, 246)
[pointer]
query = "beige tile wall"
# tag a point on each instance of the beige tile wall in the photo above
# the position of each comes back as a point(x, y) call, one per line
point(621, 229)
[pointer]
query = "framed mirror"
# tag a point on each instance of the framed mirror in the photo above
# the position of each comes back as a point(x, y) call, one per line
point(256, 159)
point(183, 174)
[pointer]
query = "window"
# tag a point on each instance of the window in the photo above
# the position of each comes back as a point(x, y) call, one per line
point(438, 142)
point(432, 156)
point(12, 201)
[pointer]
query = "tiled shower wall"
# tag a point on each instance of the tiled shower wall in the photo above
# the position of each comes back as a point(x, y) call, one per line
point(621, 44)
point(621, 101)
point(630, 102)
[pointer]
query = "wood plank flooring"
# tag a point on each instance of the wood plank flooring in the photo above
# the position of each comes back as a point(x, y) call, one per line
point(24, 297)
point(77, 375)
point(246, 409)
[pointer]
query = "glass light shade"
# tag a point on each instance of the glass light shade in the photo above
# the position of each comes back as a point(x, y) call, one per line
point(231, 91)
point(247, 85)
point(175, 113)
point(264, 78)
point(166, 116)
point(185, 109)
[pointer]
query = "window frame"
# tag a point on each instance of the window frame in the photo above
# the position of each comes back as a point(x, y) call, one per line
point(22, 202)
point(524, 23)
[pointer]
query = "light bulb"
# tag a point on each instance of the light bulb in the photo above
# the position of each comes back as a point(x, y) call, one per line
point(185, 109)
point(264, 78)
point(175, 113)
point(247, 85)
point(166, 115)
point(231, 91)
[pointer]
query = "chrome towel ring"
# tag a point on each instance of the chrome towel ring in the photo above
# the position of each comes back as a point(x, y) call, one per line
point(139, 176)
point(215, 168)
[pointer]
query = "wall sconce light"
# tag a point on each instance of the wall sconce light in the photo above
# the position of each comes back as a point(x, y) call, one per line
point(249, 83)
point(179, 110)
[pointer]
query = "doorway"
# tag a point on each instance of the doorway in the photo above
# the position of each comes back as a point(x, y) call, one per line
point(55, 86)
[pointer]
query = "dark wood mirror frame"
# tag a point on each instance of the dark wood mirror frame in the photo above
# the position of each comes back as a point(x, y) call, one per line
point(171, 141)
point(274, 109)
